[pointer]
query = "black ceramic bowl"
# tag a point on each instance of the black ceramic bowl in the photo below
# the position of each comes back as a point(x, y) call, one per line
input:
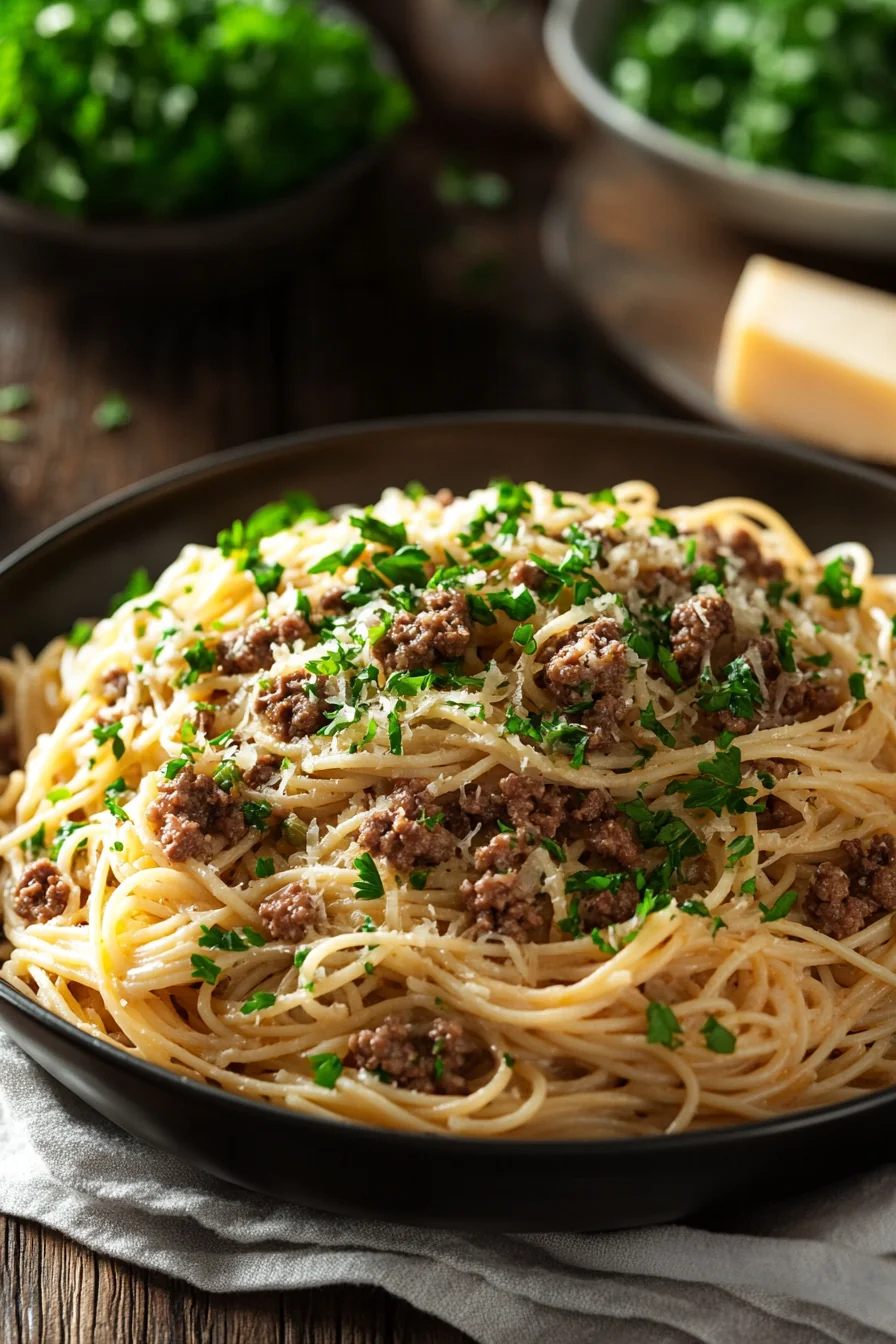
point(409, 1177)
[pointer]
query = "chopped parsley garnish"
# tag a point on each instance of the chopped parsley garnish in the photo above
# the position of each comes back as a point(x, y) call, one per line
point(267, 577)
point(34, 844)
point(415, 490)
point(694, 907)
point(739, 849)
point(116, 787)
point(79, 634)
point(138, 585)
point(109, 732)
point(738, 692)
point(199, 657)
point(749, 887)
point(708, 575)
point(555, 850)
point(717, 1037)
point(784, 640)
point(663, 1027)
point(66, 829)
point(522, 635)
point(508, 1059)
point(418, 878)
point(782, 907)
point(204, 968)
point(775, 591)
point(518, 604)
point(229, 940)
point(409, 683)
point(857, 686)
point(479, 610)
point(57, 795)
point(171, 769)
point(262, 998)
point(327, 1069)
point(373, 529)
point(821, 659)
point(113, 412)
point(338, 559)
point(394, 733)
point(264, 867)
point(432, 821)
point(405, 566)
point(719, 788)
point(667, 662)
point(837, 585)
point(602, 497)
point(301, 957)
point(226, 775)
point(14, 397)
point(257, 814)
point(663, 527)
point(649, 720)
point(369, 884)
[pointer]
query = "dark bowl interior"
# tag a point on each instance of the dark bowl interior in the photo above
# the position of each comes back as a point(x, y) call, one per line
point(440, 1180)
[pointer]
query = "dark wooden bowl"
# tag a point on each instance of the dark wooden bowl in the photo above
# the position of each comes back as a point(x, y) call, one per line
point(71, 570)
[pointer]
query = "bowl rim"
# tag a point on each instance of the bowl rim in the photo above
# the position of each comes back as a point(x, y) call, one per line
point(571, 65)
point(302, 442)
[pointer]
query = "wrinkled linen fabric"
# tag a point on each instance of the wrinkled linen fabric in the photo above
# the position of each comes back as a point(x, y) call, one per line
point(808, 1271)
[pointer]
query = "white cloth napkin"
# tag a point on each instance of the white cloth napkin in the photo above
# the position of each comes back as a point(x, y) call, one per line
point(817, 1269)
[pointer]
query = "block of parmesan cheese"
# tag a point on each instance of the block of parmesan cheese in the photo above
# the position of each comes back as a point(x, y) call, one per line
point(811, 357)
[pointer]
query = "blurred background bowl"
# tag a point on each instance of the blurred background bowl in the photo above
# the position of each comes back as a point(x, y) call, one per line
point(776, 205)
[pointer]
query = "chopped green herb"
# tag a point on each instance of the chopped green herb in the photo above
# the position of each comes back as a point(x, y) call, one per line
point(418, 878)
point(14, 397)
point(739, 849)
point(718, 789)
point(508, 1059)
point(35, 843)
point(782, 907)
point(264, 867)
point(522, 635)
point(555, 850)
point(663, 1027)
point(668, 664)
point(57, 795)
point(821, 659)
point(113, 412)
point(415, 490)
point(327, 1069)
point(405, 566)
point(109, 732)
point(458, 185)
point(749, 887)
point(261, 999)
point(518, 604)
point(603, 497)
point(837, 585)
point(784, 640)
point(394, 733)
point(663, 527)
point(857, 686)
point(369, 884)
point(373, 529)
point(80, 633)
point(738, 692)
point(649, 720)
point(203, 968)
point(717, 1037)
point(257, 814)
point(480, 610)
point(340, 559)
point(138, 585)
point(66, 829)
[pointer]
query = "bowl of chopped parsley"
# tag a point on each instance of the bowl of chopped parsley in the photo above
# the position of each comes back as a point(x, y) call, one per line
point(781, 116)
point(186, 126)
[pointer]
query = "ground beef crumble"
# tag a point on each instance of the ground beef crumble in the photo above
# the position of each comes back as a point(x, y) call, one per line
point(398, 833)
point(842, 899)
point(289, 914)
point(439, 631)
point(589, 660)
point(115, 684)
point(697, 624)
point(252, 649)
point(189, 812)
point(527, 572)
point(293, 705)
point(600, 909)
point(264, 771)
point(42, 892)
point(430, 1058)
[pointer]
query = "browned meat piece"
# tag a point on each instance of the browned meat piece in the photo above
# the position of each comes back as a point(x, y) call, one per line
point(872, 868)
point(755, 566)
point(649, 579)
point(597, 821)
point(444, 496)
point(778, 814)
point(398, 833)
point(115, 684)
point(696, 626)
point(204, 722)
point(527, 572)
point(602, 721)
point(252, 649)
point(533, 805)
point(831, 908)
point(432, 1059)
point(287, 915)
point(598, 909)
point(593, 805)
point(587, 661)
point(439, 630)
point(42, 893)
point(332, 600)
point(189, 812)
point(265, 769)
point(807, 700)
point(494, 899)
point(294, 705)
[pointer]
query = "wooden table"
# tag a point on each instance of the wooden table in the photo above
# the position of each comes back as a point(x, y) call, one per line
point(408, 308)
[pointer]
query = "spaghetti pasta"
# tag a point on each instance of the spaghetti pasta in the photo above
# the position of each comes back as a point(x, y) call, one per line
point(527, 814)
